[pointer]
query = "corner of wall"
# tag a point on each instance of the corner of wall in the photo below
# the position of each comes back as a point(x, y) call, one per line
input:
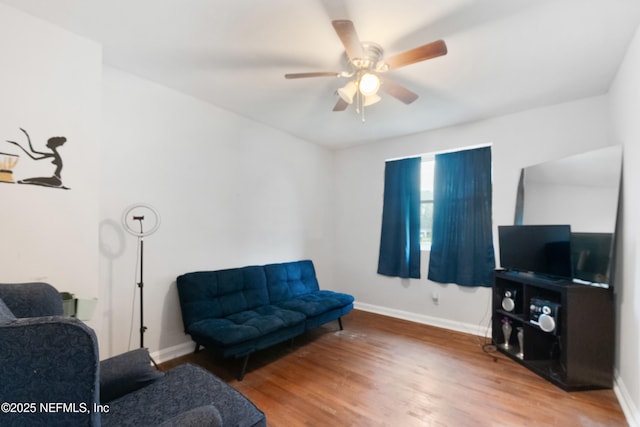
point(626, 402)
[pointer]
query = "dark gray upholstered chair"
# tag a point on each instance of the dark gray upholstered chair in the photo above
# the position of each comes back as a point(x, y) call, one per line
point(51, 375)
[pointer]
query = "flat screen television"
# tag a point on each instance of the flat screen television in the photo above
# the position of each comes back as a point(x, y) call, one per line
point(591, 254)
point(539, 249)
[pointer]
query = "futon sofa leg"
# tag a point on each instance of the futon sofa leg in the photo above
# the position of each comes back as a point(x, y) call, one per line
point(197, 348)
point(243, 369)
point(340, 323)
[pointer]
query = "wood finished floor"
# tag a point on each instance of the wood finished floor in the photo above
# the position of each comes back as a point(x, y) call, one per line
point(381, 371)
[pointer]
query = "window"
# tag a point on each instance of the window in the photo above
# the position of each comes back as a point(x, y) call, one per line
point(426, 201)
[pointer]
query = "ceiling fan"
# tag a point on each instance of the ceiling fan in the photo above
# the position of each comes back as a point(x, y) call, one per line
point(367, 65)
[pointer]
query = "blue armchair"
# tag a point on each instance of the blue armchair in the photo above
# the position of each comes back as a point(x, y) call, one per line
point(51, 374)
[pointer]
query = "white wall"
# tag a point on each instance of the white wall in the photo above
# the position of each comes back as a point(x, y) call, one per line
point(625, 105)
point(518, 140)
point(50, 86)
point(230, 192)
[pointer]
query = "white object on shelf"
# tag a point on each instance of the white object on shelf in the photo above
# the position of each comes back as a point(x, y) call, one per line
point(68, 304)
point(85, 308)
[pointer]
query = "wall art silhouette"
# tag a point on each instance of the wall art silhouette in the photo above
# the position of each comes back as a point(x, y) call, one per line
point(9, 160)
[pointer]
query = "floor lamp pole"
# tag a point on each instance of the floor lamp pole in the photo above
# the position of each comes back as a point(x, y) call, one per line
point(133, 214)
point(143, 328)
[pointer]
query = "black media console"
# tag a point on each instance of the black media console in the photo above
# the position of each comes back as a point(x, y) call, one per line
point(567, 329)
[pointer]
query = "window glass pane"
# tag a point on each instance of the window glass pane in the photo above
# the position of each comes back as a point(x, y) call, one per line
point(427, 171)
point(426, 203)
point(426, 220)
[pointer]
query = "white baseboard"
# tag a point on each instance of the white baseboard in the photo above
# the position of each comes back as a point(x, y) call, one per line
point(166, 354)
point(626, 403)
point(467, 328)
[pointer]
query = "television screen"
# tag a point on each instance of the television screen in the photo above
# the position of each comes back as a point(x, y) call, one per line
point(541, 249)
point(591, 253)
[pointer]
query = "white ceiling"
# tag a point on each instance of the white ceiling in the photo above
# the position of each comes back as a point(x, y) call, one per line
point(504, 55)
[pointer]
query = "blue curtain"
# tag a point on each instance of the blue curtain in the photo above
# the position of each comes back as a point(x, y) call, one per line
point(400, 237)
point(462, 244)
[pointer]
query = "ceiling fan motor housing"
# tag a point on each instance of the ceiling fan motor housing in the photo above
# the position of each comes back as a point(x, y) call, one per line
point(372, 54)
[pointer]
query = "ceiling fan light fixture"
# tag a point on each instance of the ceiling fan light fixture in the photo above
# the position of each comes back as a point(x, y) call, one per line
point(369, 84)
point(370, 100)
point(366, 62)
point(348, 91)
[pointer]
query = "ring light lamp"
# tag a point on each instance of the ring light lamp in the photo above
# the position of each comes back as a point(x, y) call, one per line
point(134, 215)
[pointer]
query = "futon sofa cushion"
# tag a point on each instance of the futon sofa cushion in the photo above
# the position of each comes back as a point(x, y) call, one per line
point(218, 294)
point(316, 303)
point(294, 286)
point(290, 280)
point(246, 325)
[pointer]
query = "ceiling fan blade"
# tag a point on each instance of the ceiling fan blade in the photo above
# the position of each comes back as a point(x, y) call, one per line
point(420, 53)
point(399, 92)
point(313, 74)
point(349, 38)
point(341, 105)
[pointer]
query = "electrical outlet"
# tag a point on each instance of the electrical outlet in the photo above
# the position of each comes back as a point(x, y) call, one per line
point(435, 297)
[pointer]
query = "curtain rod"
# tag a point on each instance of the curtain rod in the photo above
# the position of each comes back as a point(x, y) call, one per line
point(434, 153)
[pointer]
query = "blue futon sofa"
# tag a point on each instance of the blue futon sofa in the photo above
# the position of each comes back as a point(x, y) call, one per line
point(237, 311)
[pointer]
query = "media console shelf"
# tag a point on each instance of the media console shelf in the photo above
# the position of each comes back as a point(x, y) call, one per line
point(571, 339)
